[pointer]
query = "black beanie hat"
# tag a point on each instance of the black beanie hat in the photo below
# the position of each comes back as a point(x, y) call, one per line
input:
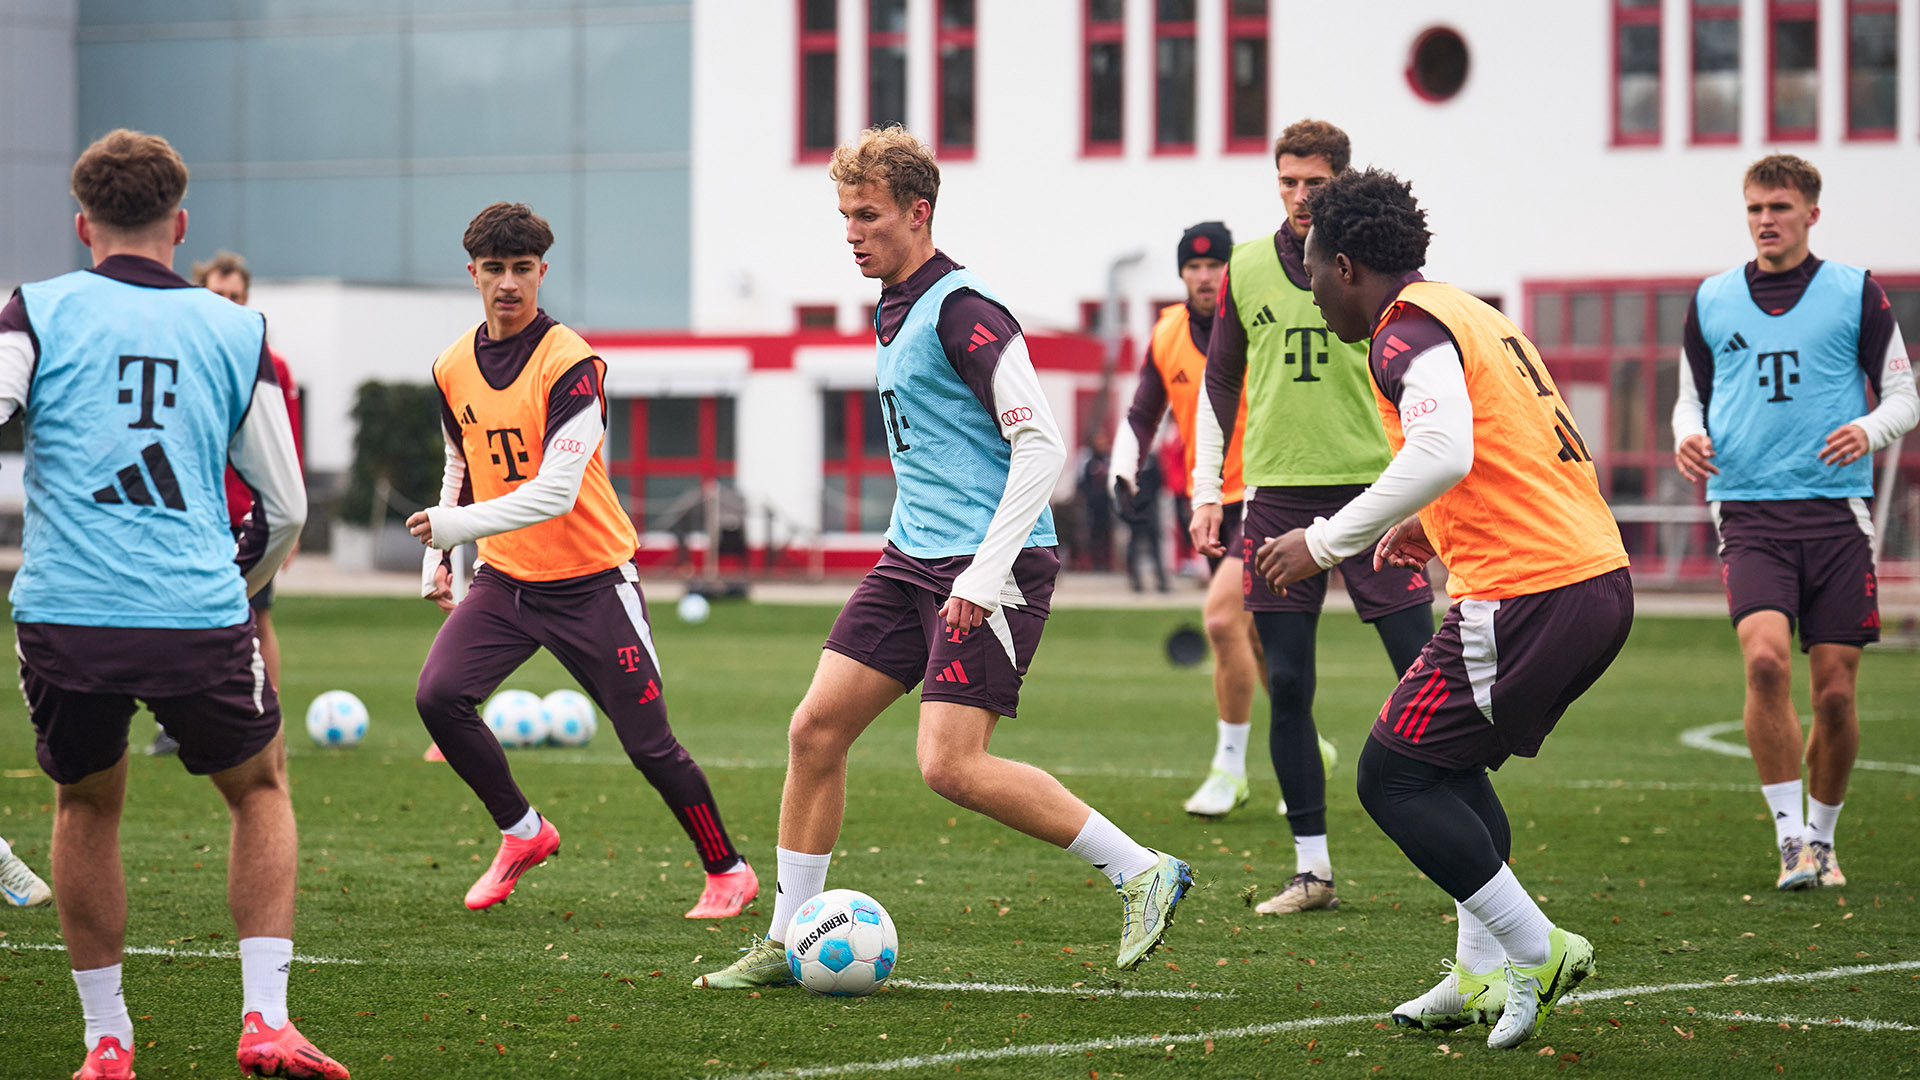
point(1207, 240)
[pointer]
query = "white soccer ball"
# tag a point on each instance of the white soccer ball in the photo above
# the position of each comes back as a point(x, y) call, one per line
point(571, 720)
point(842, 943)
point(694, 608)
point(516, 718)
point(337, 718)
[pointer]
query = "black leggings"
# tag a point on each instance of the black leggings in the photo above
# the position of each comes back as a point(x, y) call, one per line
point(1448, 822)
point(1287, 637)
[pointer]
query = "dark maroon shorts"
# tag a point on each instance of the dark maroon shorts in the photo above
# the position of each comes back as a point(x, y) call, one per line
point(1375, 593)
point(208, 688)
point(1499, 673)
point(892, 624)
point(1824, 586)
point(1229, 534)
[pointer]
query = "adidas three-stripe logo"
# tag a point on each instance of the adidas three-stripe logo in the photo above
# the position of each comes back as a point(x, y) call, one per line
point(953, 673)
point(981, 336)
point(1734, 344)
point(1181, 377)
point(1265, 317)
point(135, 484)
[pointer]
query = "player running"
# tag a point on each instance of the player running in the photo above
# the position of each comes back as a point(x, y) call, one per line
point(523, 410)
point(1171, 378)
point(1506, 496)
point(138, 390)
point(961, 593)
point(1772, 414)
point(1310, 443)
point(22, 886)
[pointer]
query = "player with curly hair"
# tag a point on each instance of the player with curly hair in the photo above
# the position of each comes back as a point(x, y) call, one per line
point(1308, 444)
point(1490, 475)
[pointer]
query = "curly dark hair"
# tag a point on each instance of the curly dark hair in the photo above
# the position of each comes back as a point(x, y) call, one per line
point(504, 230)
point(1373, 219)
point(129, 180)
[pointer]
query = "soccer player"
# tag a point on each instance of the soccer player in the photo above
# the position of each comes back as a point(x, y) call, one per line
point(523, 410)
point(22, 886)
point(1310, 442)
point(1490, 475)
point(227, 274)
point(138, 390)
point(1772, 414)
point(1171, 378)
point(962, 590)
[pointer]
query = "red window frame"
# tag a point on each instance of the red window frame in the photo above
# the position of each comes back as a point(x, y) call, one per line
point(1625, 15)
point(1166, 31)
point(811, 43)
point(954, 37)
point(637, 466)
point(1242, 28)
point(1100, 33)
point(1718, 11)
point(1869, 7)
point(1779, 11)
point(882, 39)
point(854, 464)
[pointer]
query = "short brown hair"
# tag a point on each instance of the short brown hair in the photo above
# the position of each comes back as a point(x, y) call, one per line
point(224, 262)
point(1785, 171)
point(507, 229)
point(1315, 138)
point(129, 180)
point(892, 156)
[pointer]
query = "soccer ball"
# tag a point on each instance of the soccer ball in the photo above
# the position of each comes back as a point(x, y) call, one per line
point(694, 608)
point(571, 720)
point(337, 718)
point(842, 943)
point(517, 718)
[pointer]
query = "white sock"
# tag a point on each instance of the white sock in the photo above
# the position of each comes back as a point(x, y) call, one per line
point(1111, 851)
point(6, 849)
point(1513, 919)
point(1310, 856)
point(1477, 950)
point(103, 1005)
point(526, 828)
point(1230, 751)
point(1783, 801)
point(1821, 819)
point(263, 978)
point(734, 867)
point(802, 877)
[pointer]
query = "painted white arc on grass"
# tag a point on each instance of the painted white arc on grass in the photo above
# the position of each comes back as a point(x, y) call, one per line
point(1810, 1021)
point(1707, 737)
point(1072, 991)
point(167, 950)
point(1131, 1042)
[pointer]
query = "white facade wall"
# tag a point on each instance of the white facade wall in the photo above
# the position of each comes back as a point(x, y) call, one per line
point(1517, 172)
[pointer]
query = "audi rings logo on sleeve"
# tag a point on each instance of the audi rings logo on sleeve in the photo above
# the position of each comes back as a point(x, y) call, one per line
point(1016, 416)
point(1418, 409)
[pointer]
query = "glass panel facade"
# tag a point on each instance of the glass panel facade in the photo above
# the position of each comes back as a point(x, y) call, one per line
point(1873, 81)
point(1103, 91)
point(673, 427)
point(343, 138)
point(1638, 86)
point(1248, 70)
point(1716, 72)
point(1796, 76)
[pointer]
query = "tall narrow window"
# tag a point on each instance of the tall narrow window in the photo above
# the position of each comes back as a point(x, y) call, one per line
point(1716, 71)
point(1793, 70)
point(886, 62)
point(1246, 76)
point(1636, 72)
point(819, 75)
point(1106, 46)
point(857, 488)
point(1173, 76)
point(956, 95)
point(1873, 68)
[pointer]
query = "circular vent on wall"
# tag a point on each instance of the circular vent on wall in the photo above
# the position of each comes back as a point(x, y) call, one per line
point(1437, 66)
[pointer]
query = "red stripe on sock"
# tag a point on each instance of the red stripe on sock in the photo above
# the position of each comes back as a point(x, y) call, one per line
point(704, 835)
point(721, 849)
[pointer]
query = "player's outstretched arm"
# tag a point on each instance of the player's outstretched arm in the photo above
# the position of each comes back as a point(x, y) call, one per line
point(262, 452)
point(1890, 372)
point(18, 352)
point(1135, 435)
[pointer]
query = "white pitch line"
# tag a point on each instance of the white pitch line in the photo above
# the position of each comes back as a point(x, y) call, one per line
point(1811, 1021)
point(1707, 737)
point(167, 950)
point(1130, 1042)
point(1071, 991)
point(1611, 992)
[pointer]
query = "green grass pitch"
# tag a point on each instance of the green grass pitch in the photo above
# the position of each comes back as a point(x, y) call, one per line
point(1656, 850)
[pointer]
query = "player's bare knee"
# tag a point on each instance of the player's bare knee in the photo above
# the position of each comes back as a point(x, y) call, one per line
point(1833, 706)
point(1769, 670)
point(1225, 630)
point(946, 774)
point(813, 734)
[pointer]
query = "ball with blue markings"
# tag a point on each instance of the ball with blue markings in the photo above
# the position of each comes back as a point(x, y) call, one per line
point(571, 720)
point(842, 943)
point(337, 718)
point(516, 718)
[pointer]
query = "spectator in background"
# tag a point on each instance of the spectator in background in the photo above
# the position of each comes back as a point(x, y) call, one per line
point(1095, 500)
point(1141, 512)
point(227, 274)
